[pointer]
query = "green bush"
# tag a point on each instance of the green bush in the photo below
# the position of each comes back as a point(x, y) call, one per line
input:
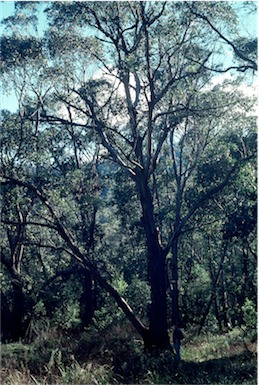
point(15, 355)
point(250, 318)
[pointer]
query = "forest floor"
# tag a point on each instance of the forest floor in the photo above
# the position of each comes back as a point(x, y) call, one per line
point(117, 357)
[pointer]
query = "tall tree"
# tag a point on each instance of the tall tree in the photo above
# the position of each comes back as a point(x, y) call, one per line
point(151, 105)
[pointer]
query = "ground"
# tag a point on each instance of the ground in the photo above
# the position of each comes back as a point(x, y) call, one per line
point(117, 357)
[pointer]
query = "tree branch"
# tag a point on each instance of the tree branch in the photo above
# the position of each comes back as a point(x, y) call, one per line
point(252, 65)
point(198, 204)
point(81, 256)
point(28, 223)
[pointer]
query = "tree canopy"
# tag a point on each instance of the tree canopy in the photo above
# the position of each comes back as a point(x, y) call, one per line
point(129, 165)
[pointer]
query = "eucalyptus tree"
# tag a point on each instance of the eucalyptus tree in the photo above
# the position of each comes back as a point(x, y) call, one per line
point(31, 256)
point(214, 250)
point(29, 150)
point(243, 48)
point(151, 106)
point(158, 85)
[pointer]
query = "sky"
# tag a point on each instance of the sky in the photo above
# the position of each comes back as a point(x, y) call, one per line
point(9, 101)
point(6, 9)
point(248, 25)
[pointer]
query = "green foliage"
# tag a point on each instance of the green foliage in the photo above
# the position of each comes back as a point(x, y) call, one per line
point(250, 319)
point(139, 293)
point(15, 354)
point(15, 51)
point(120, 284)
point(40, 309)
point(197, 292)
point(79, 137)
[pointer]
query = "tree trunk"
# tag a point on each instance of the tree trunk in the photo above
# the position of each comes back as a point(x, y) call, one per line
point(86, 300)
point(217, 314)
point(18, 309)
point(6, 319)
point(224, 302)
point(176, 318)
point(157, 333)
point(244, 276)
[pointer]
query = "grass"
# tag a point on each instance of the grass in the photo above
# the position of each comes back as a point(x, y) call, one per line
point(117, 357)
point(236, 369)
point(211, 346)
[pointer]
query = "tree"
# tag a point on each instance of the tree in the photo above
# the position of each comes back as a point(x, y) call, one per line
point(153, 106)
point(21, 250)
point(244, 49)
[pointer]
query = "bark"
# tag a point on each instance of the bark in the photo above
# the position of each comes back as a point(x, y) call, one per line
point(13, 325)
point(157, 334)
point(86, 300)
point(18, 326)
point(176, 318)
point(244, 285)
point(224, 301)
point(6, 319)
point(217, 314)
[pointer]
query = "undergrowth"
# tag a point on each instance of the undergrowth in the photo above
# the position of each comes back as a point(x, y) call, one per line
point(116, 356)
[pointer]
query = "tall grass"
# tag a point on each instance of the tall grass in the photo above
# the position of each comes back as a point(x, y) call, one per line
point(112, 358)
point(58, 373)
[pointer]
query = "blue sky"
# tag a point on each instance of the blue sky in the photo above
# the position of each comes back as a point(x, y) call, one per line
point(7, 8)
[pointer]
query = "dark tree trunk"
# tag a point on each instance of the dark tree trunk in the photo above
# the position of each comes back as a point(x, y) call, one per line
point(6, 319)
point(176, 318)
point(18, 327)
point(157, 334)
point(224, 302)
point(217, 314)
point(244, 276)
point(13, 316)
point(87, 298)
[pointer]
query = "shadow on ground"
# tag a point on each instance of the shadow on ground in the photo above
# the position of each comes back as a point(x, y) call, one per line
point(236, 369)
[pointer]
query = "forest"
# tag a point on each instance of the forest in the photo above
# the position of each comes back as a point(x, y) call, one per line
point(128, 192)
